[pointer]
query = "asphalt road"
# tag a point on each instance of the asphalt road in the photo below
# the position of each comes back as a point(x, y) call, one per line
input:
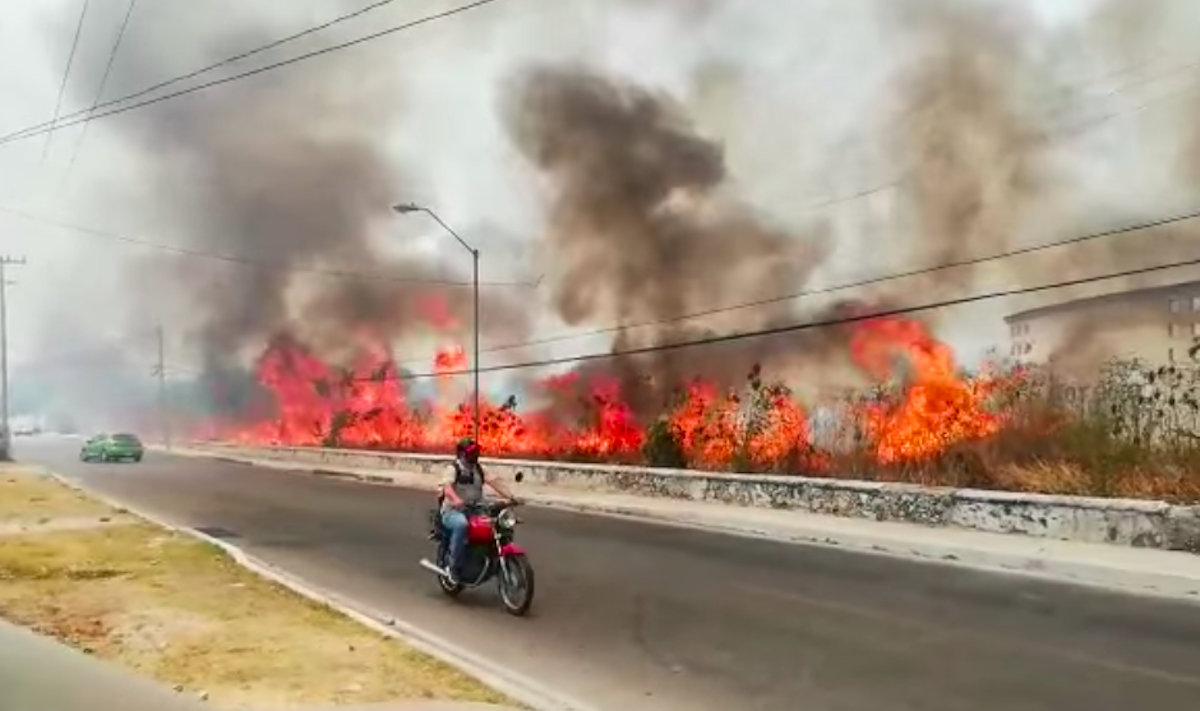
point(643, 617)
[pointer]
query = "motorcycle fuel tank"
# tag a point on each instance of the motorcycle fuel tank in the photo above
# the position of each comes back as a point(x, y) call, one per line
point(479, 529)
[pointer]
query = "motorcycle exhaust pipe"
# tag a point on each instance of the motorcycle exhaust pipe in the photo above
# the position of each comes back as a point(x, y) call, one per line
point(432, 567)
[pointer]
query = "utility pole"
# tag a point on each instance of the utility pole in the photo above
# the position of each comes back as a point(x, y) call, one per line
point(6, 436)
point(161, 371)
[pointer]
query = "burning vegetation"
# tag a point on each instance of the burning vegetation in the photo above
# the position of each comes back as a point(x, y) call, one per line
point(642, 227)
point(641, 231)
point(1137, 433)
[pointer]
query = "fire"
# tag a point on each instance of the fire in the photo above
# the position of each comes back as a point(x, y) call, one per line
point(449, 360)
point(929, 408)
point(939, 408)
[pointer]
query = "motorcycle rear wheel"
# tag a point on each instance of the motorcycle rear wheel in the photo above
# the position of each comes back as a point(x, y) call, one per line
point(448, 587)
point(517, 596)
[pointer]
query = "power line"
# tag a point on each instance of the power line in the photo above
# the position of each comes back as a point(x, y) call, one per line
point(30, 133)
point(112, 59)
point(62, 88)
point(1113, 232)
point(1185, 217)
point(809, 325)
point(204, 70)
point(249, 262)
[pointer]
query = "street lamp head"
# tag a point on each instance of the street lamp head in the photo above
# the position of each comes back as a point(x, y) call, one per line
point(407, 208)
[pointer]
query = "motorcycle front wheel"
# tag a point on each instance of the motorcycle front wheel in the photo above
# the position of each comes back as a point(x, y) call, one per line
point(516, 585)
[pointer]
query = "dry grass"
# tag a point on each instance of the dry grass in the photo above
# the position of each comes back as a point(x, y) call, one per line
point(1068, 479)
point(29, 494)
point(182, 612)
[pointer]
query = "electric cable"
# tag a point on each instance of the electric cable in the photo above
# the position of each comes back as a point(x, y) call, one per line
point(112, 60)
point(794, 328)
point(38, 131)
point(62, 87)
point(1112, 232)
point(248, 262)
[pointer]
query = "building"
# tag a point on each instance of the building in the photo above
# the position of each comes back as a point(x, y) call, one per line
point(1158, 325)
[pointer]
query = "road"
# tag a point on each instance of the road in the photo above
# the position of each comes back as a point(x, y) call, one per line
point(643, 617)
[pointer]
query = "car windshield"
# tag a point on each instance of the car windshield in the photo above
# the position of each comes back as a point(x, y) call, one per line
point(126, 439)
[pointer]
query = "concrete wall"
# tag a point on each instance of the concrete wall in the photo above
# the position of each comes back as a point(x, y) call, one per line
point(1149, 524)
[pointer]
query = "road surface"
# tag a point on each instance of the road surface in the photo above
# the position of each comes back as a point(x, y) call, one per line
point(641, 617)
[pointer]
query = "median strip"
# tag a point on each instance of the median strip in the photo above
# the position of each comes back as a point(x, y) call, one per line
point(182, 612)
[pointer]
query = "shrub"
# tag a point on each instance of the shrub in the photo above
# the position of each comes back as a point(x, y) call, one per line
point(662, 447)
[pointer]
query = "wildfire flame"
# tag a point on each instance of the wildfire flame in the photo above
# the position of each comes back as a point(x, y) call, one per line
point(449, 360)
point(940, 406)
point(928, 407)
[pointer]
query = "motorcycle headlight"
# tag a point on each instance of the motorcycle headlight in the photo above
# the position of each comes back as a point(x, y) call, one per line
point(507, 519)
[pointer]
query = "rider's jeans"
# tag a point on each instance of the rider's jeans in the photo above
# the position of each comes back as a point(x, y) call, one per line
point(456, 523)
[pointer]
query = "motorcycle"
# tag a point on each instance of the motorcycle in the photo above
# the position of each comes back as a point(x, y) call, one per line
point(490, 553)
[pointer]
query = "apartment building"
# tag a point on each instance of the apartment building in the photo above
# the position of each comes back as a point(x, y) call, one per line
point(1159, 325)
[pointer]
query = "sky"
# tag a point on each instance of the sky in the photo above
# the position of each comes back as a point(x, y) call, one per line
point(798, 93)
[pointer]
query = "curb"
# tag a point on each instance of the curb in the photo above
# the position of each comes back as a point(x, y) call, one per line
point(1128, 523)
point(1101, 577)
point(1073, 573)
point(514, 685)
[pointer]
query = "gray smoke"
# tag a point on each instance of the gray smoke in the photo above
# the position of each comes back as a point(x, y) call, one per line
point(289, 169)
point(643, 225)
point(641, 229)
point(975, 166)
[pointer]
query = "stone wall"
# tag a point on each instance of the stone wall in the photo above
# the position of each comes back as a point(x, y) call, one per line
point(1149, 524)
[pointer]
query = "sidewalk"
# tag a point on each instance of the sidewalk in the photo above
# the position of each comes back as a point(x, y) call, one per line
point(39, 674)
point(1132, 570)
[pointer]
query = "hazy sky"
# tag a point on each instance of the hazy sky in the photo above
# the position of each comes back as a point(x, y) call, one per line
point(811, 77)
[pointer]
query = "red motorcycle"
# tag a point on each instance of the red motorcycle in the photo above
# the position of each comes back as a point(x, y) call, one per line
point(490, 553)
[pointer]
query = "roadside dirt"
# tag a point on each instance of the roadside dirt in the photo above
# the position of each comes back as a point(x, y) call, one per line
point(182, 612)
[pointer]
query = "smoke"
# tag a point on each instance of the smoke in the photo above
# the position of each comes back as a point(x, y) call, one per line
point(644, 222)
point(975, 168)
point(290, 170)
point(985, 172)
point(1138, 111)
point(641, 226)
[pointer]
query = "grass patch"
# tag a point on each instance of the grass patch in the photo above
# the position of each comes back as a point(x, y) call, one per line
point(29, 494)
point(180, 611)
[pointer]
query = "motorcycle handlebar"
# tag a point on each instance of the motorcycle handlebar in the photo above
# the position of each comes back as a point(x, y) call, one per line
point(493, 507)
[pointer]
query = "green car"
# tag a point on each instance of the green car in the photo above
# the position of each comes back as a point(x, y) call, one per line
point(112, 448)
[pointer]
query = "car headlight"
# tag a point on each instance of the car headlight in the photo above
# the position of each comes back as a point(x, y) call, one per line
point(507, 519)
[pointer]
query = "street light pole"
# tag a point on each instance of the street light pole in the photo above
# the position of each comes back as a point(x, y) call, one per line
point(408, 209)
point(475, 319)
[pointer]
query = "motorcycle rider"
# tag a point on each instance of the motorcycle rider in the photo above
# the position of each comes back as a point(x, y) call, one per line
point(463, 487)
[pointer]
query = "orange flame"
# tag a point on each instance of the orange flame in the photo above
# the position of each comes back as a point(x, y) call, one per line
point(939, 407)
point(930, 408)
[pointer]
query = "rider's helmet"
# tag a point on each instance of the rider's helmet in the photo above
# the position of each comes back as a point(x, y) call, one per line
point(468, 450)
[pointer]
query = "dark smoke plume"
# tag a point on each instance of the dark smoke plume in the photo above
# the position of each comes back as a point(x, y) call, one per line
point(640, 228)
point(291, 169)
